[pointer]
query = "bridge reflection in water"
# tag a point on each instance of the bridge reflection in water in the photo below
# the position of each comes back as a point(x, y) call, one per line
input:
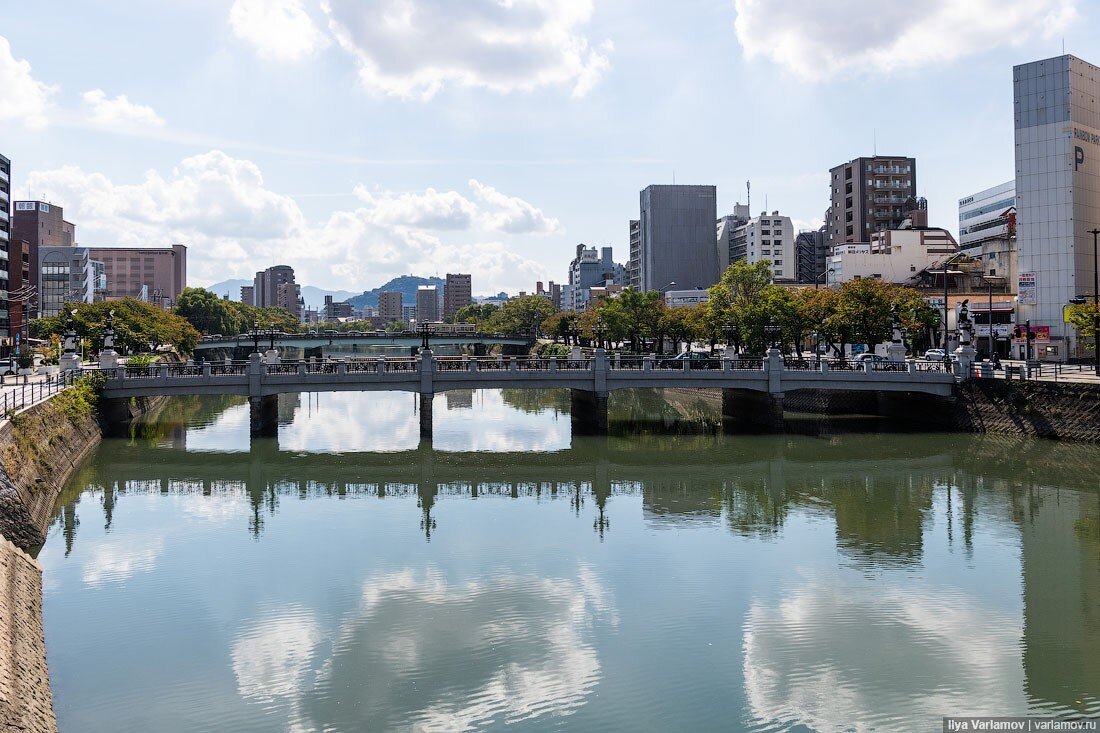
point(906, 515)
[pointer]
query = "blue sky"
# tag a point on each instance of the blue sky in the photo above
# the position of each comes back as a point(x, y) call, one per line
point(361, 139)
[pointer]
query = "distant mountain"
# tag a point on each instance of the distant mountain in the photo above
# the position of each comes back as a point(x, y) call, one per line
point(313, 296)
point(405, 284)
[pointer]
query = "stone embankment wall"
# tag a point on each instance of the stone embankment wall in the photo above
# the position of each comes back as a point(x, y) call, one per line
point(39, 450)
point(1040, 409)
point(26, 704)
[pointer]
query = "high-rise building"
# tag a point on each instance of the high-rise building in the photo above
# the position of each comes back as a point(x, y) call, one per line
point(19, 279)
point(591, 269)
point(812, 252)
point(6, 263)
point(427, 304)
point(390, 306)
point(676, 245)
point(1057, 130)
point(731, 248)
point(40, 224)
point(335, 309)
point(457, 293)
point(275, 288)
point(633, 264)
point(248, 294)
point(869, 195)
point(157, 274)
point(987, 230)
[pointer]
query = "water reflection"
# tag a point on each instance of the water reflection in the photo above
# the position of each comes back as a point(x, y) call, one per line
point(683, 581)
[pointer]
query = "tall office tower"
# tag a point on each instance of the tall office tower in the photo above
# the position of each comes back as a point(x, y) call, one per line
point(457, 293)
point(729, 249)
point(5, 239)
point(869, 195)
point(247, 296)
point(1057, 120)
point(766, 237)
point(812, 253)
point(275, 288)
point(160, 273)
point(427, 304)
point(676, 237)
point(390, 306)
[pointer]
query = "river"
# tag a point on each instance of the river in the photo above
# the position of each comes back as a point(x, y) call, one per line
point(346, 576)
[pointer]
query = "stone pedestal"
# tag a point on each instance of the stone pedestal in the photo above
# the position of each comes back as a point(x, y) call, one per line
point(70, 362)
point(895, 351)
point(965, 356)
point(576, 354)
point(108, 359)
point(271, 356)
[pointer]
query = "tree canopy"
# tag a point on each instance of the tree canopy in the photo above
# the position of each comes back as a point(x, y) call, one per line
point(138, 326)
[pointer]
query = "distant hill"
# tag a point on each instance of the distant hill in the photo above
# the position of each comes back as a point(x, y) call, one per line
point(405, 284)
point(313, 296)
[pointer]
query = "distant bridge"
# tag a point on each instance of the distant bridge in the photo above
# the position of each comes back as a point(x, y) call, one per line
point(752, 389)
point(329, 343)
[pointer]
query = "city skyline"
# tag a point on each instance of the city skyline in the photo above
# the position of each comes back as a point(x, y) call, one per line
point(264, 132)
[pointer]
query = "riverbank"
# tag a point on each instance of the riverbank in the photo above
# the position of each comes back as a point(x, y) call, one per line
point(26, 704)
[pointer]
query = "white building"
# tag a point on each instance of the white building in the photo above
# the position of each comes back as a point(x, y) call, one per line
point(765, 237)
point(686, 298)
point(895, 255)
point(1057, 131)
point(987, 230)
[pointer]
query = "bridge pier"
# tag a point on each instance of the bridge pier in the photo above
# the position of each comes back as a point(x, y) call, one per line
point(746, 410)
point(263, 416)
point(588, 412)
point(425, 410)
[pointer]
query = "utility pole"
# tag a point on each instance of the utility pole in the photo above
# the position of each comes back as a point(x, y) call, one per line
point(946, 260)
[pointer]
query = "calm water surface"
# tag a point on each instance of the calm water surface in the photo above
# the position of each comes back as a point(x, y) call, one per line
point(346, 577)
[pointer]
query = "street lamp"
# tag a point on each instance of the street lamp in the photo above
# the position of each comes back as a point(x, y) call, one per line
point(599, 331)
point(733, 335)
point(817, 280)
point(425, 331)
point(989, 280)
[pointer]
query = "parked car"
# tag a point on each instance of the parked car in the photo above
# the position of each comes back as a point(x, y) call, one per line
point(698, 359)
point(869, 357)
point(935, 355)
point(8, 367)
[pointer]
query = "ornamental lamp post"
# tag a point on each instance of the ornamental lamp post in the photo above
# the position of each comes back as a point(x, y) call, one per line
point(599, 331)
point(425, 331)
point(772, 333)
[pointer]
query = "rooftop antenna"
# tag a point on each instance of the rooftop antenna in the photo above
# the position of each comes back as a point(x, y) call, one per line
point(748, 196)
point(874, 140)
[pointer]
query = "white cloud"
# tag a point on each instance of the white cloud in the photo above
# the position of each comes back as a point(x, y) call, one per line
point(412, 48)
point(820, 40)
point(278, 29)
point(24, 98)
point(513, 215)
point(234, 225)
point(118, 111)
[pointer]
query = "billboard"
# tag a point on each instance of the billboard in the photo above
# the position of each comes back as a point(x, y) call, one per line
point(1039, 335)
point(1026, 289)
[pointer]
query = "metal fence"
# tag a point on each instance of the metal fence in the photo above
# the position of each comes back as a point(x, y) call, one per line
point(21, 396)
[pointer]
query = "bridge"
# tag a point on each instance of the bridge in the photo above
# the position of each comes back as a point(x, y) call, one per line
point(333, 343)
point(752, 389)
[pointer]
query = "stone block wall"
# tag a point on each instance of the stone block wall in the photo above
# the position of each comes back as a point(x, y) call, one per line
point(26, 704)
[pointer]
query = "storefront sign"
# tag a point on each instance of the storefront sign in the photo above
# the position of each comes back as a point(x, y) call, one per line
point(1026, 291)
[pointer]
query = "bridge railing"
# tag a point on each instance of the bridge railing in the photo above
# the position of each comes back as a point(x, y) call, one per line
point(20, 396)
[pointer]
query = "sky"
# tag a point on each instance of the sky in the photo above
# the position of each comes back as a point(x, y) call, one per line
point(357, 140)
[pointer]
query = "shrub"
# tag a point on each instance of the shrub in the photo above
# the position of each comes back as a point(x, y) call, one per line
point(140, 360)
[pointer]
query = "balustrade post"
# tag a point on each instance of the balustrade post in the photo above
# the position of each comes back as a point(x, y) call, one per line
point(207, 370)
point(380, 365)
point(302, 369)
point(341, 368)
point(554, 364)
point(647, 363)
point(512, 364)
point(868, 366)
point(912, 367)
point(824, 367)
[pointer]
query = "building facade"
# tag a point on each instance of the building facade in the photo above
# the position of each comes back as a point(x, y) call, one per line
point(730, 247)
point(633, 271)
point(588, 269)
point(896, 255)
point(987, 230)
point(275, 288)
point(427, 304)
point(457, 294)
point(1057, 134)
point(65, 275)
point(676, 245)
point(812, 255)
point(334, 309)
point(765, 237)
point(868, 195)
point(6, 262)
point(390, 306)
point(247, 294)
point(40, 224)
point(154, 274)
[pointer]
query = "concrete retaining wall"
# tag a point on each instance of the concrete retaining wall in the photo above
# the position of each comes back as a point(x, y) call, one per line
point(26, 704)
point(1039, 409)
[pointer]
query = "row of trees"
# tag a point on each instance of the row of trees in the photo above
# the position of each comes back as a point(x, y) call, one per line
point(747, 309)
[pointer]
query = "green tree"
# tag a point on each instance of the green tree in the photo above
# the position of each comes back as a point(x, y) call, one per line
point(138, 326)
point(916, 316)
point(561, 326)
point(1083, 319)
point(479, 313)
point(676, 324)
point(522, 315)
point(633, 315)
point(207, 312)
point(864, 310)
point(396, 327)
point(745, 297)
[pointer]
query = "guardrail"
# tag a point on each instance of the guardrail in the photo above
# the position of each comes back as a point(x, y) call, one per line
point(20, 396)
